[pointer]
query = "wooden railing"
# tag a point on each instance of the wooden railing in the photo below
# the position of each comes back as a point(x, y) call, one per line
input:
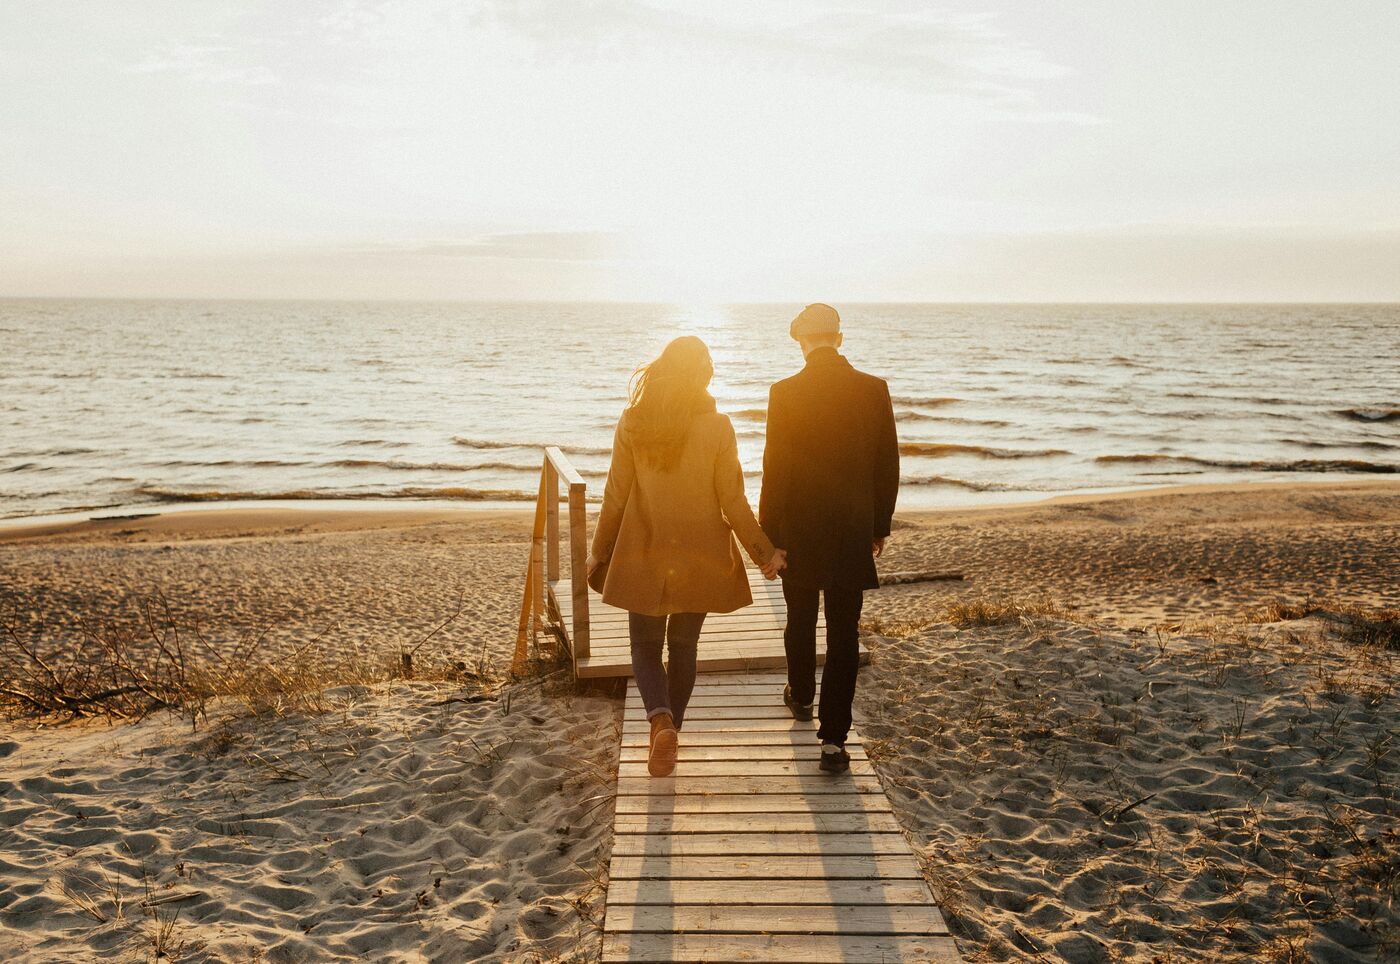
point(542, 573)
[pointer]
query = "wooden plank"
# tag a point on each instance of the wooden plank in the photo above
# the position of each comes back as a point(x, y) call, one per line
point(812, 869)
point(691, 754)
point(759, 678)
point(767, 694)
point(791, 821)
point(775, 919)
point(745, 738)
point(817, 783)
point(729, 636)
point(620, 665)
point(760, 803)
point(613, 617)
point(707, 691)
point(743, 768)
point(886, 892)
point(728, 844)
point(752, 711)
point(704, 948)
point(779, 725)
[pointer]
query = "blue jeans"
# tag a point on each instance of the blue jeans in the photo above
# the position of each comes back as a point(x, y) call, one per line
point(663, 690)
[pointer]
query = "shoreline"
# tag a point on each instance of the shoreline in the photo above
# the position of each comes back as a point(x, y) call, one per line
point(193, 520)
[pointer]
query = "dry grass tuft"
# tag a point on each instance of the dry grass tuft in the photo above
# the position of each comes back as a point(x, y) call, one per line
point(896, 628)
point(1359, 625)
point(1001, 611)
point(127, 675)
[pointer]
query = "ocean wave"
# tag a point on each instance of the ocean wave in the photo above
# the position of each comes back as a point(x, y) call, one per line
point(923, 401)
point(157, 493)
point(372, 443)
point(27, 466)
point(1370, 414)
point(1151, 457)
point(402, 466)
point(399, 465)
point(904, 415)
point(473, 443)
point(933, 480)
point(942, 449)
point(1371, 444)
point(750, 414)
point(230, 463)
point(1261, 465)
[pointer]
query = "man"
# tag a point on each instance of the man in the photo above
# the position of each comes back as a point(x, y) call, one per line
point(830, 479)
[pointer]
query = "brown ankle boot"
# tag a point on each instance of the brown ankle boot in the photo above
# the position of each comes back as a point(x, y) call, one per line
point(661, 759)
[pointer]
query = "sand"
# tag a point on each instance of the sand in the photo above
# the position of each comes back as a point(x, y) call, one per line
point(1095, 796)
point(386, 826)
point(391, 828)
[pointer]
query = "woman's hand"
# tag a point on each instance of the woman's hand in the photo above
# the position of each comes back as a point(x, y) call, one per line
point(776, 564)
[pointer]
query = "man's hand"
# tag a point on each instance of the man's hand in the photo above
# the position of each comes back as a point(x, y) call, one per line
point(775, 565)
point(878, 546)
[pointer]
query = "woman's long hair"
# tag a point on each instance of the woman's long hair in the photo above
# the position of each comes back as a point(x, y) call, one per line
point(664, 398)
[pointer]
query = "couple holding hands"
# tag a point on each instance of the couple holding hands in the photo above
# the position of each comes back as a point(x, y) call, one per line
point(664, 547)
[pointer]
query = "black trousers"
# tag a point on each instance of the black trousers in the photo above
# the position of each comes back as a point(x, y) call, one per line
point(842, 654)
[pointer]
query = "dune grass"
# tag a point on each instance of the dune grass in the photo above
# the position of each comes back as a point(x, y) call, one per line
point(121, 674)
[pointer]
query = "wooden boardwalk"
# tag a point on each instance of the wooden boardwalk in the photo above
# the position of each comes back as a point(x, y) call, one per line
point(748, 852)
point(750, 639)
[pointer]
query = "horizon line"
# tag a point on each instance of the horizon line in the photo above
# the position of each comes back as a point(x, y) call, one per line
point(687, 303)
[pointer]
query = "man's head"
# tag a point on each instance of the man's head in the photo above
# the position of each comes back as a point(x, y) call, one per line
point(816, 326)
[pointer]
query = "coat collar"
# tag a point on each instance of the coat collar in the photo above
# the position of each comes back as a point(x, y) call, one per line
point(825, 358)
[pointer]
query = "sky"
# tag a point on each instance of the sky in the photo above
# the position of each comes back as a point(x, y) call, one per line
point(1082, 150)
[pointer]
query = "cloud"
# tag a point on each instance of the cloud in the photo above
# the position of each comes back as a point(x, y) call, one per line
point(208, 63)
point(516, 246)
point(957, 55)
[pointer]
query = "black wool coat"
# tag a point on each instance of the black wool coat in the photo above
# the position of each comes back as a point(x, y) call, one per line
point(830, 472)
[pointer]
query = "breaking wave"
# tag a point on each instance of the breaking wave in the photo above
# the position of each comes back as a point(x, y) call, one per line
point(956, 483)
point(942, 449)
point(1370, 414)
point(923, 401)
point(473, 443)
point(1261, 465)
point(157, 493)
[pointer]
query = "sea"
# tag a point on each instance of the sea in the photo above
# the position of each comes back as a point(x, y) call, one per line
point(110, 406)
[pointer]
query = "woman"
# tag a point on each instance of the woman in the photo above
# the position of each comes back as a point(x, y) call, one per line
point(664, 546)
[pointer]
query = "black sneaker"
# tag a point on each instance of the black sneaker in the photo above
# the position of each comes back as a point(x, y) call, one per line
point(799, 711)
point(835, 759)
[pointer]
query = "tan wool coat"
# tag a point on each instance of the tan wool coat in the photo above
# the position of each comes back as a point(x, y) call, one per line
point(667, 536)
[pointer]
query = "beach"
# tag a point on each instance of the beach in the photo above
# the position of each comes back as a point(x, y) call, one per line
point(1131, 750)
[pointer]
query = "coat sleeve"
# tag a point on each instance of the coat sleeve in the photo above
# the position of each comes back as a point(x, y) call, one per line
point(621, 474)
point(729, 489)
point(886, 463)
point(776, 458)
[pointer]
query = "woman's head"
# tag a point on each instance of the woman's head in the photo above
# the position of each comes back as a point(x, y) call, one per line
point(666, 395)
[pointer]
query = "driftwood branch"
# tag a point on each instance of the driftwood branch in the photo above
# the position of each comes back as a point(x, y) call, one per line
point(900, 578)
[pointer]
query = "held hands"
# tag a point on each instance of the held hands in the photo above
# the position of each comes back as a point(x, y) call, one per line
point(776, 564)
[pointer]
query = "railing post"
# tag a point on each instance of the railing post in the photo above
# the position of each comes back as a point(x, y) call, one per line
point(578, 565)
point(551, 488)
point(537, 556)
